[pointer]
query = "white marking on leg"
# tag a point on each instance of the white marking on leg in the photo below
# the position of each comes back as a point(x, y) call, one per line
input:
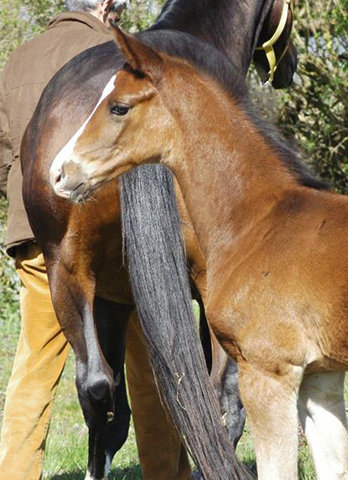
point(271, 406)
point(322, 414)
point(90, 477)
point(107, 465)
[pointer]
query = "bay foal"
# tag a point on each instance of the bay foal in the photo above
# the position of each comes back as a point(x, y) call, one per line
point(274, 241)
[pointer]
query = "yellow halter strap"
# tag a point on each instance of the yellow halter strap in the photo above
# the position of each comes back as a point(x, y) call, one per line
point(268, 46)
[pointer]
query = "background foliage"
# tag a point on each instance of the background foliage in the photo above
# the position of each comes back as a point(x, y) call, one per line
point(314, 110)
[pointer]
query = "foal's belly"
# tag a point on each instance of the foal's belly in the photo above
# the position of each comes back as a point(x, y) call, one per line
point(276, 343)
point(277, 320)
point(280, 297)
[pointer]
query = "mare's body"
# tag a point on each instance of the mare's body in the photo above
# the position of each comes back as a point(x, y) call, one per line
point(273, 238)
point(93, 230)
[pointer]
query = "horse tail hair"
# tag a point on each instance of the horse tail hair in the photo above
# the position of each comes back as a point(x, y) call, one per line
point(158, 273)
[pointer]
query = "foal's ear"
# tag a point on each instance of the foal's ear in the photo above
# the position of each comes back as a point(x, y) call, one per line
point(140, 57)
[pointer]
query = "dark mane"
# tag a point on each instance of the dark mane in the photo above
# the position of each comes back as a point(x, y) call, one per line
point(218, 22)
point(201, 55)
point(188, 16)
point(171, 10)
point(211, 62)
point(287, 152)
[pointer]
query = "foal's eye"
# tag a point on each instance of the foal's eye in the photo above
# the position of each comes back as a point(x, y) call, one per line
point(119, 109)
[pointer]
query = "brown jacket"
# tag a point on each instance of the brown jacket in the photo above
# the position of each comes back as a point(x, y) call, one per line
point(22, 81)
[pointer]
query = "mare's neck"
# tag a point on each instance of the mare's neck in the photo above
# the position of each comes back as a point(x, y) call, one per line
point(231, 26)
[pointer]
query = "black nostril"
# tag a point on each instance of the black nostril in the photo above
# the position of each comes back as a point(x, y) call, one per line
point(58, 176)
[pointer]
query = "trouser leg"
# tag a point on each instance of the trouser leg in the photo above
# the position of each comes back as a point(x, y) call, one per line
point(161, 452)
point(40, 358)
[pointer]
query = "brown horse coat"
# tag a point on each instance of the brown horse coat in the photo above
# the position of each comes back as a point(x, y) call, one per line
point(273, 240)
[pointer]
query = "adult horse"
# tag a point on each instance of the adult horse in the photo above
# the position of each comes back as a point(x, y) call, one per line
point(274, 240)
point(83, 256)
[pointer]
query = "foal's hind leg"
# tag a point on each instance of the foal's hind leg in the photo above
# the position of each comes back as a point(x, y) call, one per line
point(323, 417)
point(270, 401)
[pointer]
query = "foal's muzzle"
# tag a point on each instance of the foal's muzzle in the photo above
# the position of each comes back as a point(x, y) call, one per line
point(69, 180)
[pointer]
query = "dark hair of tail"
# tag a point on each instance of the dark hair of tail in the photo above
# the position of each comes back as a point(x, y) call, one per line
point(158, 273)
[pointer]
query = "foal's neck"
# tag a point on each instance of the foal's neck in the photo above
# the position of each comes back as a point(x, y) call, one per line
point(231, 26)
point(230, 177)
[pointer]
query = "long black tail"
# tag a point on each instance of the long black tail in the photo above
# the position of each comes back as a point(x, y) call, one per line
point(157, 266)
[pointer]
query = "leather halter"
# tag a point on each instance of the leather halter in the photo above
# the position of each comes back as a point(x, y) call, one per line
point(268, 46)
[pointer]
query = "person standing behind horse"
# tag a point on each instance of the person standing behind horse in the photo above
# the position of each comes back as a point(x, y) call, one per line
point(42, 348)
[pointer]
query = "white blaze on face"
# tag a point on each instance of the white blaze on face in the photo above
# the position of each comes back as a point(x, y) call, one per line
point(67, 151)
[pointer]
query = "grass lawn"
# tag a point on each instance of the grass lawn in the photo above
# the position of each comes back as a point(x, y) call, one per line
point(66, 450)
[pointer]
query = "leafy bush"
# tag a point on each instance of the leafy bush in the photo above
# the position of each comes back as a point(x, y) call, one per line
point(315, 108)
point(8, 278)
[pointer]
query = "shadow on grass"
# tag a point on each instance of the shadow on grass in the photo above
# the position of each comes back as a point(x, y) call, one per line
point(133, 473)
point(251, 464)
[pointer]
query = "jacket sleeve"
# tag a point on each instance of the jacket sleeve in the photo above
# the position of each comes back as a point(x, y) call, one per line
point(6, 157)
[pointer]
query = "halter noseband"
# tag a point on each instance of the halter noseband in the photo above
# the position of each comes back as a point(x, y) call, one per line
point(268, 46)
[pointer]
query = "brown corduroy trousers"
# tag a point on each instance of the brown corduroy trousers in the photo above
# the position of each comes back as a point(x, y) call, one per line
point(40, 358)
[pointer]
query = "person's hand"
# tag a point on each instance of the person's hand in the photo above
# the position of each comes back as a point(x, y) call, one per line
point(116, 9)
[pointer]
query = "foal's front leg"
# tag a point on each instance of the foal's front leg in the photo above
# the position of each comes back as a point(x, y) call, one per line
point(323, 417)
point(270, 401)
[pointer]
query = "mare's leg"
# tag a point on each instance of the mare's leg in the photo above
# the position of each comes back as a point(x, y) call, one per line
point(111, 322)
point(270, 401)
point(224, 376)
point(323, 417)
point(205, 336)
point(72, 287)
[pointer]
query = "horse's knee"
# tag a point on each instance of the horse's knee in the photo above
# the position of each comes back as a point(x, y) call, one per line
point(96, 395)
point(100, 389)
